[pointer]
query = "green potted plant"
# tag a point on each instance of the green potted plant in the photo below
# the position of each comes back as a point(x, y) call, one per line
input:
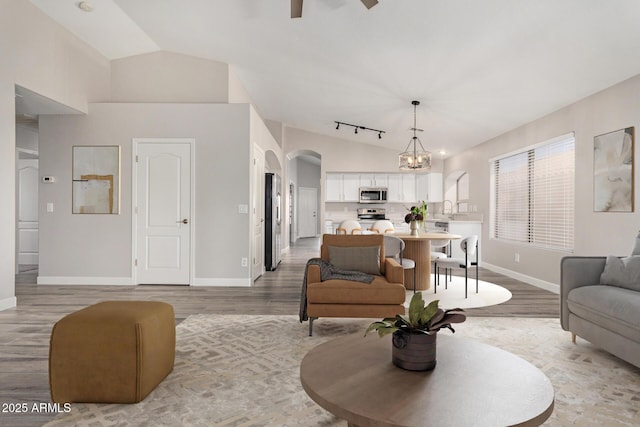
point(414, 337)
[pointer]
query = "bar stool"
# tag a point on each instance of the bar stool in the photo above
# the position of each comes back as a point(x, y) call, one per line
point(382, 226)
point(349, 226)
point(394, 248)
point(436, 254)
point(469, 246)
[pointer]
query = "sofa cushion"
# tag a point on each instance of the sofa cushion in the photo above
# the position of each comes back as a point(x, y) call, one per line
point(636, 245)
point(358, 258)
point(610, 307)
point(339, 291)
point(622, 272)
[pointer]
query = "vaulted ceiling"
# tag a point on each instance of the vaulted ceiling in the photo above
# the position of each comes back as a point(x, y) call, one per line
point(479, 68)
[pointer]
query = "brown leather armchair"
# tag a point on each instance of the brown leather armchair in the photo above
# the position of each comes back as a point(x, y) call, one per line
point(384, 297)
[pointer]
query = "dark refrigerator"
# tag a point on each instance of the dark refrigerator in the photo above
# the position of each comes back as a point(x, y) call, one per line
point(272, 220)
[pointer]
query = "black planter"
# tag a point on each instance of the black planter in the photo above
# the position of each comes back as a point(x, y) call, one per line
point(414, 352)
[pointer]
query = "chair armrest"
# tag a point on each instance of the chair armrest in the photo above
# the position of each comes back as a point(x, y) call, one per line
point(313, 274)
point(393, 272)
point(575, 272)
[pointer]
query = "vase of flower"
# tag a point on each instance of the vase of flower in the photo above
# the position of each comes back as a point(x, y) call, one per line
point(413, 226)
point(416, 217)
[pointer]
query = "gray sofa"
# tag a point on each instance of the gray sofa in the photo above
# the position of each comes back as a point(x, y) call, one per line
point(605, 315)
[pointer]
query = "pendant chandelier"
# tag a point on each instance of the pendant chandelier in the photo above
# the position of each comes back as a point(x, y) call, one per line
point(415, 156)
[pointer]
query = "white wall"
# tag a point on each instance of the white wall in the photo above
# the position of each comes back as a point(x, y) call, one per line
point(41, 56)
point(98, 247)
point(169, 77)
point(595, 233)
point(261, 136)
point(236, 93)
point(276, 129)
point(27, 137)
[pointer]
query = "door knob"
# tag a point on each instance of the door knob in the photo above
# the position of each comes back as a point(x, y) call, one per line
point(184, 221)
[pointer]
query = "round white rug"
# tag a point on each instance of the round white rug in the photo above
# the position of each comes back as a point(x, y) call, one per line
point(453, 297)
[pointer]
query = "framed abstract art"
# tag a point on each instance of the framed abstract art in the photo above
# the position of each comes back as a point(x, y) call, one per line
point(613, 171)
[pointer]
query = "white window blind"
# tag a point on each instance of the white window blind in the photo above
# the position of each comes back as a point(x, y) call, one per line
point(532, 195)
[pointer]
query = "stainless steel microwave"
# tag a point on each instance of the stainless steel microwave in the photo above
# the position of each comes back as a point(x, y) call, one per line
point(373, 195)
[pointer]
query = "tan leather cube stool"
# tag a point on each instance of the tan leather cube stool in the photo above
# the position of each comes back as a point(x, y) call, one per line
point(111, 352)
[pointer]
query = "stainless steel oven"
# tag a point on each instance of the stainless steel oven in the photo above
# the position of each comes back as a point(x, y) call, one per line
point(371, 214)
point(441, 226)
point(373, 195)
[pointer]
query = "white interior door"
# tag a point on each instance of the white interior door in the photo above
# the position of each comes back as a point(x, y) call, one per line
point(27, 177)
point(257, 210)
point(163, 213)
point(307, 212)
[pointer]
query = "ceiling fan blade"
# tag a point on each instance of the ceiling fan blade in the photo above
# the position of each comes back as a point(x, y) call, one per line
point(369, 3)
point(296, 8)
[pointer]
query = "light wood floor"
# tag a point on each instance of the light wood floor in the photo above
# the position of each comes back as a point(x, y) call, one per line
point(25, 330)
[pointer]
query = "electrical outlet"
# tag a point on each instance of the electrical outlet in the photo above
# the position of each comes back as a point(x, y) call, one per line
point(517, 257)
point(244, 262)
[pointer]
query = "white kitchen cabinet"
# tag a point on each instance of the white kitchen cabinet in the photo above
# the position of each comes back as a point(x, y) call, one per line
point(402, 188)
point(351, 187)
point(342, 187)
point(374, 180)
point(333, 188)
point(429, 187)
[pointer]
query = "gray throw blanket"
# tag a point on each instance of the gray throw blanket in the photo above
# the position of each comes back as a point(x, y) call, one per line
point(327, 272)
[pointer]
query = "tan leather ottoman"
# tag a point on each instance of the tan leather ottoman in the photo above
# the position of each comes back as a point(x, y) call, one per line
point(111, 352)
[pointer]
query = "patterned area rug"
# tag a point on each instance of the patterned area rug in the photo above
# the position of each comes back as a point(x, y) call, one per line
point(241, 371)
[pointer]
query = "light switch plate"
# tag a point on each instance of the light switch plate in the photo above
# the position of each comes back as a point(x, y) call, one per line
point(243, 209)
point(49, 207)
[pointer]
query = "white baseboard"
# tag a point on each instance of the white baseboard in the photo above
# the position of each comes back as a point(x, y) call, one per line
point(8, 303)
point(542, 284)
point(76, 280)
point(202, 281)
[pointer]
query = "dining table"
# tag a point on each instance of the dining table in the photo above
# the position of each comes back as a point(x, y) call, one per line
point(418, 249)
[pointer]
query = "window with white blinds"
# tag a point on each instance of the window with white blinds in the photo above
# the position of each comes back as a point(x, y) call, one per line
point(533, 193)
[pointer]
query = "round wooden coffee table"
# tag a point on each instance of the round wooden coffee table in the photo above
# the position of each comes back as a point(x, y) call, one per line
point(473, 384)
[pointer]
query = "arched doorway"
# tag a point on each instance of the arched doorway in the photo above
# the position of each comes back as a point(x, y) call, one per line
point(303, 204)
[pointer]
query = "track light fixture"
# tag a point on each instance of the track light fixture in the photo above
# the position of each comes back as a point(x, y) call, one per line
point(356, 127)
